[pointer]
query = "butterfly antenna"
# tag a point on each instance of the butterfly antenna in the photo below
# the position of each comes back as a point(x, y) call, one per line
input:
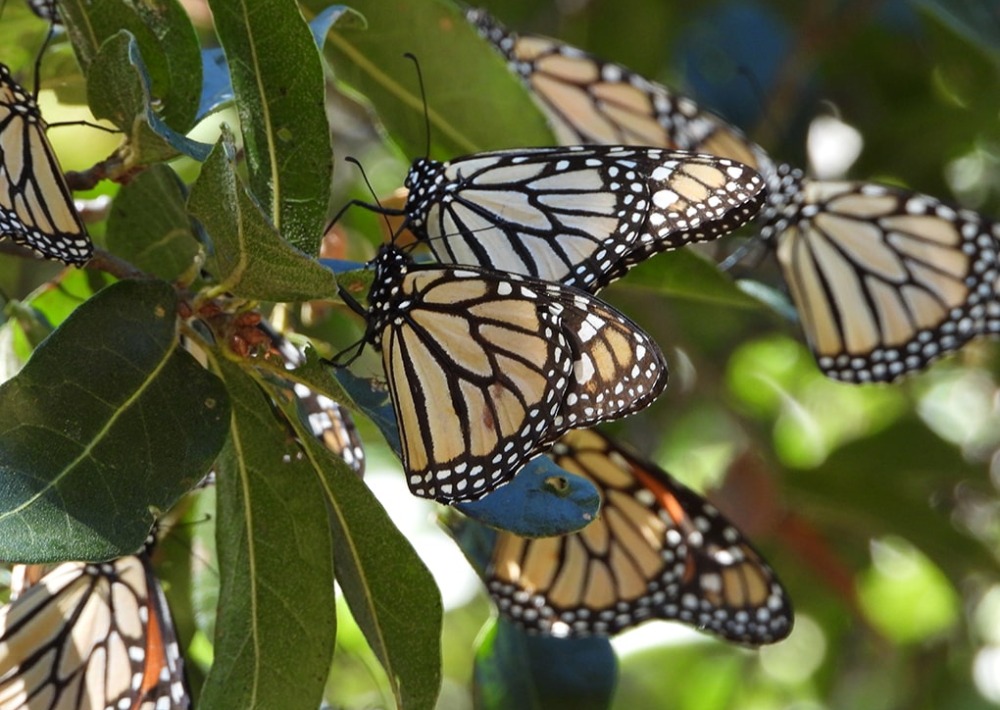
point(423, 100)
point(385, 212)
point(364, 176)
point(377, 207)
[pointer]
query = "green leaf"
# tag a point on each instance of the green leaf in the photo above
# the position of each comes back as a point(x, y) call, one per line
point(276, 623)
point(251, 260)
point(48, 307)
point(905, 596)
point(166, 39)
point(392, 595)
point(278, 81)
point(118, 89)
point(149, 224)
point(107, 420)
point(452, 59)
point(684, 273)
point(874, 487)
point(312, 373)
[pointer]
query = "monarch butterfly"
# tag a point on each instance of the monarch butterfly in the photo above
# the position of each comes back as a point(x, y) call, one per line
point(333, 426)
point(885, 280)
point(589, 100)
point(486, 369)
point(36, 205)
point(578, 215)
point(658, 551)
point(329, 422)
point(248, 335)
point(95, 635)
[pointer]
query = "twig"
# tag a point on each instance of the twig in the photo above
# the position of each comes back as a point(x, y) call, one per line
point(104, 260)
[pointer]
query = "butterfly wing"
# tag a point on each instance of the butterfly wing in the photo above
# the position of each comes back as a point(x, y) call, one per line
point(477, 368)
point(658, 550)
point(36, 205)
point(617, 368)
point(885, 279)
point(333, 426)
point(696, 198)
point(92, 635)
point(557, 214)
point(589, 100)
point(579, 215)
point(486, 370)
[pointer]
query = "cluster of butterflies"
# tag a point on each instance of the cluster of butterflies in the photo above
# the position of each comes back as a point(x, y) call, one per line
point(501, 351)
point(884, 279)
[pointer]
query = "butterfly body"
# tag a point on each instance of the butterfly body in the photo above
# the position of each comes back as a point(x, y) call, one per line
point(487, 369)
point(578, 215)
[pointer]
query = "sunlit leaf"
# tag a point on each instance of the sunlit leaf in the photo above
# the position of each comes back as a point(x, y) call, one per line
point(452, 58)
point(906, 597)
point(251, 258)
point(278, 82)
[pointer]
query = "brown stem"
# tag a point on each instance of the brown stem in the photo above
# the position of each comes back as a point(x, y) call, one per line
point(104, 260)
